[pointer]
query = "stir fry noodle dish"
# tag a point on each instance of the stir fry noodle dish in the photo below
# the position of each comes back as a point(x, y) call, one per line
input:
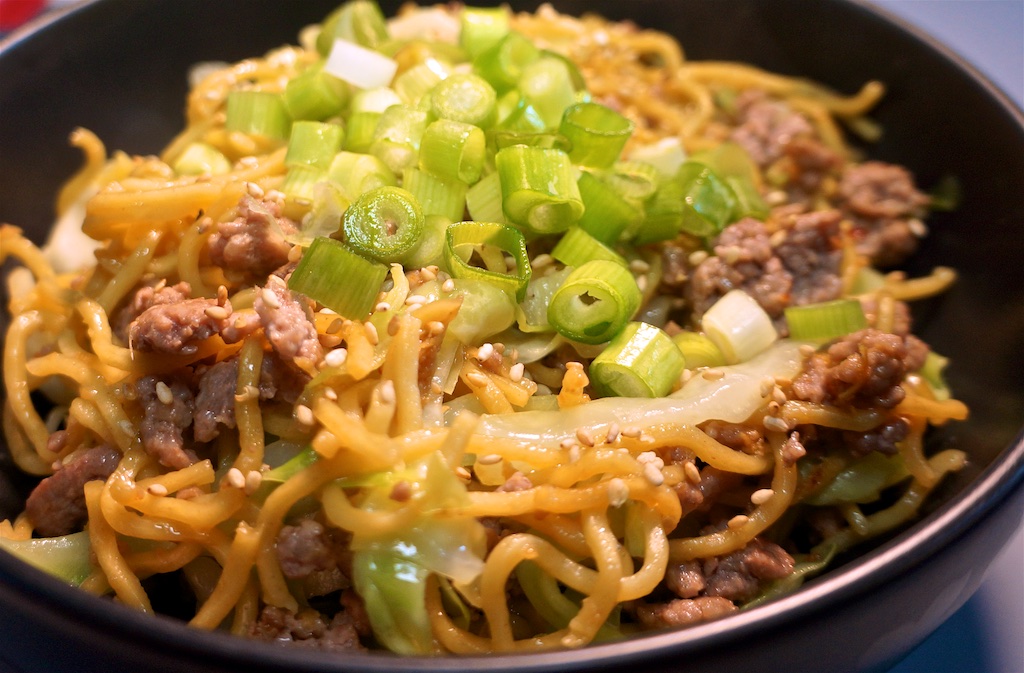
point(472, 331)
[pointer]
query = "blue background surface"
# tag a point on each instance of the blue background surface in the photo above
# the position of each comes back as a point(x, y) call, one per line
point(987, 634)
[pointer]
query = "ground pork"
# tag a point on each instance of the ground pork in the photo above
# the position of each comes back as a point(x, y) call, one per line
point(144, 298)
point(883, 204)
point(683, 611)
point(57, 504)
point(863, 370)
point(308, 628)
point(287, 323)
point(738, 576)
point(164, 420)
point(178, 327)
point(252, 245)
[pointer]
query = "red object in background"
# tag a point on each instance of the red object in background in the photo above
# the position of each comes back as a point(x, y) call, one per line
point(13, 13)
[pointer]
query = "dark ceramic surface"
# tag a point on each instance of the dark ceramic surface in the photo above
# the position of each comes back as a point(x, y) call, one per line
point(117, 68)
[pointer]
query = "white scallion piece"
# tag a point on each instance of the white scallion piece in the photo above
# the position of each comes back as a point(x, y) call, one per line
point(739, 326)
point(361, 67)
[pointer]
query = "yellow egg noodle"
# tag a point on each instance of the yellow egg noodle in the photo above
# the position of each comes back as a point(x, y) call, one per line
point(542, 514)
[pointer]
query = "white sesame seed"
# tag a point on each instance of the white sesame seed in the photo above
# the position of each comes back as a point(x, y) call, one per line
point(435, 327)
point(294, 253)
point(270, 299)
point(761, 496)
point(448, 286)
point(767, 384)
point(157, 489)
point(489, 459)
point(917, 227)
point(712, 374)
point(163, 393)
point(381, 307)
point(387, 391)
point(252, 481)
point(416, 300)
point(686, 375)
point(222, 295)
point(541, 260)
point(697, 256)
point(650, 458)
point(574, 453)
point(235, 478)
point(583, 434)
point(485, 352)
point(775, 423)
point(613, 433)
point(631, 431)
point(477, 378)
point(515, 372)
point(336, 357)
point(463, 473)
point(371, 333)
point(330, 394)
point(778, 396)
point(653, 474)
point(691, 473)
point(216, 312)
point(304, 414)
point(427, 273)
point(641, 283)
point(639, 266)
point(568, 442)
point(254, 190)
point(806, 350)
point(738, 521)
point(618, 492)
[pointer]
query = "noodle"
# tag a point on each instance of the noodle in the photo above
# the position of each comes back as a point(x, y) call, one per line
point(451, 462)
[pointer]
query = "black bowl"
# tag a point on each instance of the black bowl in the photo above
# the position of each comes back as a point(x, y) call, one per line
point(117, 67)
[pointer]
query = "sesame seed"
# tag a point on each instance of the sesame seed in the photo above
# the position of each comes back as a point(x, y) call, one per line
point(371, 333)
point(163, 393)
point(393, 326)
point(415, 300)
point(463, 473)
point(783, 381)
point(157, 489)
point(387, 391)
point(304, 414)
point(477, 378)
point(618, 492)
point(778, 396)
point(761, 496)
point(917, 227)
point(613, 433)
point(583, 434)
point(222, 295)
point(568, 442)
point(697, 256)
point(489, 459)
point(336, 357)
point(712, 374)
point(631, 431)
point(448, 286)
point(335, 326)
point(254, 190)
point(774, 408)
point(485, 352)
point(641, 283)
point(294, 253)
point(738, 521)
point(427, 273)
point(235, 478)
point(252, 481)
point(574, 453)
point(382, 307)
point(541, 260)
point(767, 384)
point(216, 312)
point(515, 372)
point(653, 474)
point(435, 327)
point(691, 473)
point(330, 394)
point(806, 350)
point(775, 423)
point(276, 281)
point(639, 266)
point(436, 388)
point(270, 299)
point(650, 458)
point(686, 375)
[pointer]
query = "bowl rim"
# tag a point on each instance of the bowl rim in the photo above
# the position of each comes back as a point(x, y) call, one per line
point(988, 491)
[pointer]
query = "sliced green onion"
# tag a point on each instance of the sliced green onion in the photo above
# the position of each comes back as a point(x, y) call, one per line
point(359, 173)
point(482, 28)
point(634, 180)
point(361, 126)
point(338, 278)
point(663, 214)
point(483, 200)
point(396, 140)
point(597, 134)
point(545, 139)
point(698, 350)
point(732, 163)
point(709, 200)
point(486, 310)
point(516, 115)
point(464, 238)
point(932, 372)
point(430, 249)
point(547, 85)
point(666, 155)
point(315, 95)
point(324, 210)
point(257, 113)
point(502, 64)
point(200, 159)
point(358, 21)
point(313, 144)
point(414, 83)
point(606, 215)
point(577, 247)
point(641, 361)
point(436, 195)
point(595, 302)
point(532, 311)
point(360, 66)
point(453, 150)
point(464, 97)
point(376, 99)
point(738, 325)
point(539, 189)
point(825, 320)
point(383, 224)
point(299, 182)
